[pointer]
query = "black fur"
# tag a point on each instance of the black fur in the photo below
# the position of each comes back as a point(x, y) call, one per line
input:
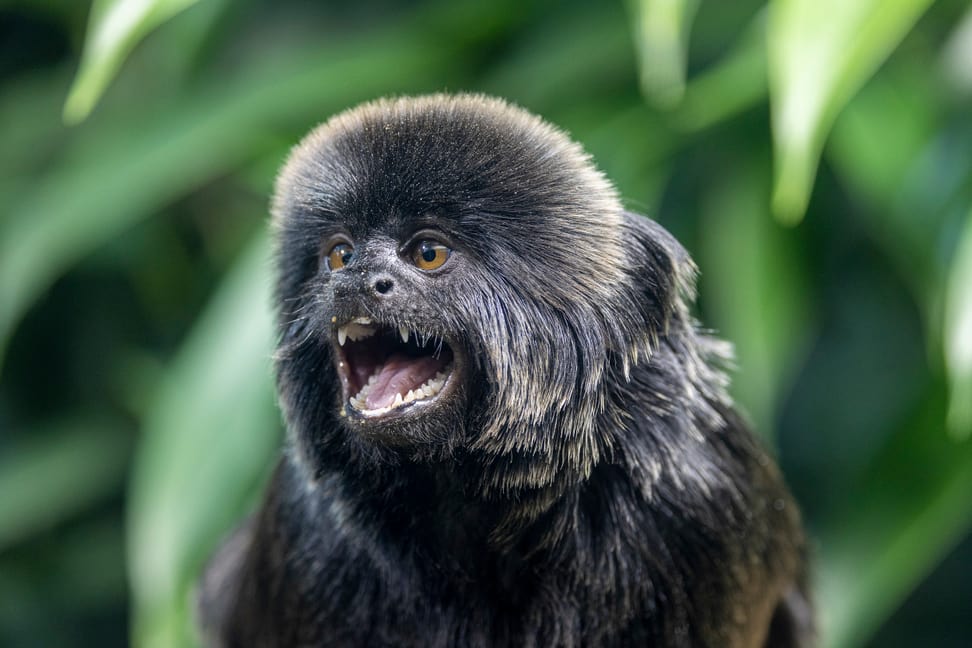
point(588, 482)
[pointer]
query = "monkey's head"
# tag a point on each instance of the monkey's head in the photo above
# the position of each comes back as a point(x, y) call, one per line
point(457, 279)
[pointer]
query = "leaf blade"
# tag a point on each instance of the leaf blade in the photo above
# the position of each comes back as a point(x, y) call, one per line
point(208, 437)
point(662, 33)
point(820, 53)
point(114, 29)
point(957, 336)
point(730, 86)
point(57, 473)
point(903, 515)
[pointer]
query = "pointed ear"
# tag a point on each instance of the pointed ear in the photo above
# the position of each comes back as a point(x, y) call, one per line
point(661, 272)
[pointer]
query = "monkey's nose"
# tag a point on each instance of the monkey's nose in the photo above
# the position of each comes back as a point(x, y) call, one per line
point(383, 286)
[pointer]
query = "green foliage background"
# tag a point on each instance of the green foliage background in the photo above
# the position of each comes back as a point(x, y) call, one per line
point(814, 155)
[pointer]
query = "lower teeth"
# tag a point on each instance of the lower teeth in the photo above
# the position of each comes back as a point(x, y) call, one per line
point(429, 389)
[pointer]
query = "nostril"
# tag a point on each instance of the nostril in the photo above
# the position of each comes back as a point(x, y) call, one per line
point(383, 286)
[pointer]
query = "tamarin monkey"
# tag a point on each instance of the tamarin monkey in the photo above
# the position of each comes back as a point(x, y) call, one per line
point(504, 427)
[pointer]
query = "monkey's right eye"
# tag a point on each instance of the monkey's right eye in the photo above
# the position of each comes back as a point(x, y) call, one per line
point(339, 256)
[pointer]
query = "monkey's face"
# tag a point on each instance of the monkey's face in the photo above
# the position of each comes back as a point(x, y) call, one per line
point(398, 352)
point(453, 270)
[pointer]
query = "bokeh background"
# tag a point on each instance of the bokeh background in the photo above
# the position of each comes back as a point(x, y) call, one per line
point(814, 156)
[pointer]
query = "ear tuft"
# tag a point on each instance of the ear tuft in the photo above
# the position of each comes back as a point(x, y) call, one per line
point(660, 269)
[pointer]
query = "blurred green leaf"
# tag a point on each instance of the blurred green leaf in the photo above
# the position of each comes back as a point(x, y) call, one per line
point(57, 474)
point(736, 82)
point(881, 168)
point(210, 435)
point(904, 181)
point(123, 169)
point(662, 32)
point(957, 55)
point(903, 516)
point(114, 28)
point(820, 52)
point(78, 570)
point(81, 568)
point(34, 130)
point(901, 101)
point(958, 336)
point(594, 49)
point(760, 300)
point(916, 183)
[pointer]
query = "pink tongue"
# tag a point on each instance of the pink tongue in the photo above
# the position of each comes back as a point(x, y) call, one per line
point(399, 374)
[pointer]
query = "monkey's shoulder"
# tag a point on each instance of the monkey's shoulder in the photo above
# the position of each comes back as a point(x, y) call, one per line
point(289, 574)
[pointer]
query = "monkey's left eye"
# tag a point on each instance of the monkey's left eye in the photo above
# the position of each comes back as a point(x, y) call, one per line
point(339, 256)
point(430, 255)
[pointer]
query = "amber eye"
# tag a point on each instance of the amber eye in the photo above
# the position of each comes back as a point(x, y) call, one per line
point(339, 256)
point(430, 255)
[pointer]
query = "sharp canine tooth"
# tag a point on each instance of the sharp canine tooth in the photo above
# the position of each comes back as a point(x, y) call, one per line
point(398, 400)
point(342, 335)
point(403, 331)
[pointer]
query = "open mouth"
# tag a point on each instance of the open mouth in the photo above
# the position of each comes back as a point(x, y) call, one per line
point(385, 369)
